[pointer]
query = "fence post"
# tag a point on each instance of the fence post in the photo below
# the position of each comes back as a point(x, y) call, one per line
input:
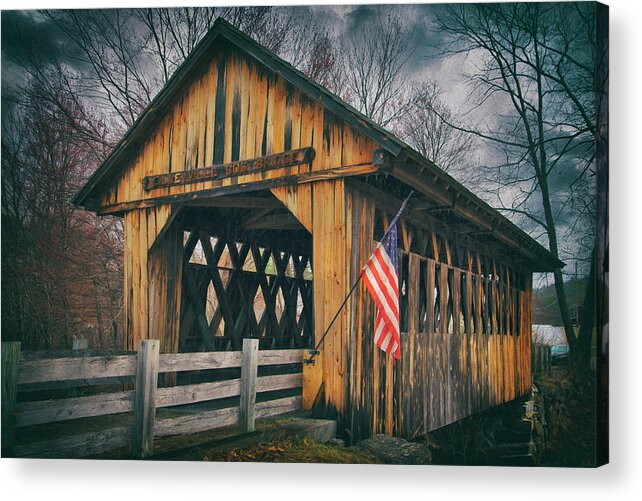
point(145, 399)
point(549, 359)
point(10, 367)
point(249, 368)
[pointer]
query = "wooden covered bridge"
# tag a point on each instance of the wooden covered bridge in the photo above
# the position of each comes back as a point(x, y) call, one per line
point(251, 198)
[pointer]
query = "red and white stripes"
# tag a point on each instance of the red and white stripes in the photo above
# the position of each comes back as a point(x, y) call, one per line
point(382, 281)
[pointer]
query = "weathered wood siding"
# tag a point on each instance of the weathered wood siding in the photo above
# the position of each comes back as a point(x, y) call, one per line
point(450, 366)
point(466, 337)
point(236, 109)
point(152, 281)
point(165, 270)
point(365, 398)
point(326, 204)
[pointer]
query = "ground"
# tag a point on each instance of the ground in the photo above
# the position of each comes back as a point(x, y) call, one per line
point(570, 413)
point(293, 450)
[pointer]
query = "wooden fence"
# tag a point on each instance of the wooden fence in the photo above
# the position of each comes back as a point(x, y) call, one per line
point(542, 358)
point(142, 401)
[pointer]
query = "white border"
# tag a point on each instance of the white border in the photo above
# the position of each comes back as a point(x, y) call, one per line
point(104, 480)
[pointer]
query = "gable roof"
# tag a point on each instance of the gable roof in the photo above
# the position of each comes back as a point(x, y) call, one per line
point(223, 31)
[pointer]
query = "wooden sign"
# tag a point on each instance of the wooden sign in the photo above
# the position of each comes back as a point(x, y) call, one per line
point(239, 168)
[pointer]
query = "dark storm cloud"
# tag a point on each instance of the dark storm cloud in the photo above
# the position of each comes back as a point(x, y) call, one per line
point(418, 21)
point(361, 15)
point(428, 38)
point(28, 36)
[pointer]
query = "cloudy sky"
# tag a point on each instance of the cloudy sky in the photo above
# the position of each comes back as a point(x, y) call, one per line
point(22, 28)
point(30, 30)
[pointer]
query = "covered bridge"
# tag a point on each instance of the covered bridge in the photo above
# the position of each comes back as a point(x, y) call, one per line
point(251, 198)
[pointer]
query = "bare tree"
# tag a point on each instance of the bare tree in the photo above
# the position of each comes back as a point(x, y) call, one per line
point(129, 55)
point(317, 53)
point(172, 34)
point(52, 252)
point(376, 69)
point(425, 128)
point(112, 47)
point(534, 68)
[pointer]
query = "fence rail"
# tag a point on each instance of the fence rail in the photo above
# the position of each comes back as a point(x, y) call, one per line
point(142, 367)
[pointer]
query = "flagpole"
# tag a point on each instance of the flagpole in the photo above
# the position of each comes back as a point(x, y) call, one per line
point(354, 286)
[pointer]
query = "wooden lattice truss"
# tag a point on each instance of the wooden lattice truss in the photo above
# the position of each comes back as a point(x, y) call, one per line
point(233, 290)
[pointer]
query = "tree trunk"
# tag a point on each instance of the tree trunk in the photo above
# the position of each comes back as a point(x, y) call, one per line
point(582, 355)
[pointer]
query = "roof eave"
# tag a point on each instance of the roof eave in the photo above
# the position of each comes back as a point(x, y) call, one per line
point(541, 259)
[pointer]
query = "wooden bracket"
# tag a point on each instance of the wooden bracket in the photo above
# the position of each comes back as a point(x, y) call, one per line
point(312, 380)
point(381, 158)
point(310, 360)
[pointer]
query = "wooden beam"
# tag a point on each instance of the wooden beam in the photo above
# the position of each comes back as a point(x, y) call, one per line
point(76, 446)
point(224, 171)
point(238, 202)
point(299, 243)
point(279, 357)
point(276, 222)
point(278, 406)
point(197, 422)
point(51, 411)
point(248, 187)
point(430, 207)
point(178, 362)
point(61, 369)
point(279, 382)
point(174, 211)
point(252, 216)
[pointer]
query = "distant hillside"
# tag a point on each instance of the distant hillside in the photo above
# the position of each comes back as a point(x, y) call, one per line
point(545, 308)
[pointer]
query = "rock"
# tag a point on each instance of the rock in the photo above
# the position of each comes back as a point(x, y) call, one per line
point(336, 442)
point(394, 450)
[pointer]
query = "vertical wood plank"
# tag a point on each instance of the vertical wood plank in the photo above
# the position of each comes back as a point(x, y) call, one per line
point(165, 270)
point(219, 112)
point(249, 367)
point(312, 380)
point(145, 397)
point(412, 393)
point(469, 326)
point(456, 303)
point(430, 296)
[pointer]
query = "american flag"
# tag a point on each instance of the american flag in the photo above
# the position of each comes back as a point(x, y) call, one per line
point(381, 278)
